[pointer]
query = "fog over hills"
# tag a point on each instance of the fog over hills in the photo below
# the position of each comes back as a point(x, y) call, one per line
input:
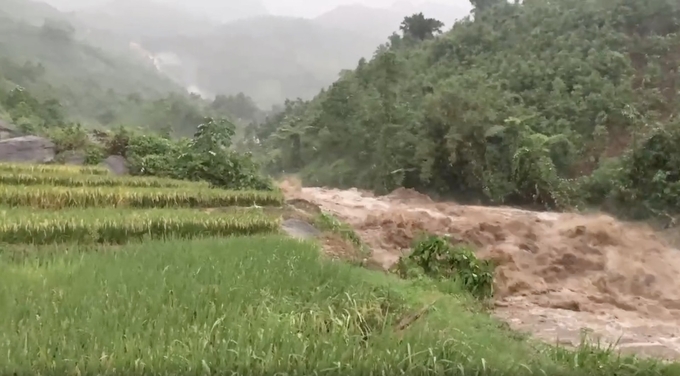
point(228, 46)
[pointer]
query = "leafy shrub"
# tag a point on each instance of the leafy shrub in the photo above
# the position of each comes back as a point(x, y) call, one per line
point(435, 257)
point(645, 180)
point(206, 157)
point(69, 138)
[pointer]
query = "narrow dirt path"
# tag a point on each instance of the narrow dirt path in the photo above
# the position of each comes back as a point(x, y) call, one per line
point(557, 274)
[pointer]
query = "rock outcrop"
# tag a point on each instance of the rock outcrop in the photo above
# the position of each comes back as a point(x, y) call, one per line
point(116, 164)
point(31, 149)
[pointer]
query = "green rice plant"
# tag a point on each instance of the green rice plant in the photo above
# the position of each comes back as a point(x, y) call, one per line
point(28, 168)
point(261, 305)
point(113, 226)
point(74, 180)
point(50, 197)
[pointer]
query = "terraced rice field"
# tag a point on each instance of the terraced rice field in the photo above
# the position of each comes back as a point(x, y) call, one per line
point(122, 275)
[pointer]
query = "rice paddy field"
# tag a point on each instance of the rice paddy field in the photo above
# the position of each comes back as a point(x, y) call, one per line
point(104, 275)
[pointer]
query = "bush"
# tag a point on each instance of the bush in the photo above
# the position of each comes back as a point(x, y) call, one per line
point(435, 257)
point(205, 157)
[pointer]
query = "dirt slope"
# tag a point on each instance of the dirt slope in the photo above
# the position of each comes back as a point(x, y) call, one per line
point(557, 273)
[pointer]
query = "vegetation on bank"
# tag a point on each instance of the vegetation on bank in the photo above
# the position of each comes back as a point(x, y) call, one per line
point(556, 104)
point(256, 305)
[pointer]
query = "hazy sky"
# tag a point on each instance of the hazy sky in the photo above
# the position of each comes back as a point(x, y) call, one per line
point(300, 8)
point(313, 8)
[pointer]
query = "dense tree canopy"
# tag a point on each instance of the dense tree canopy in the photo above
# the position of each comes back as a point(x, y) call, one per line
point(556, 103)
point(420, 27)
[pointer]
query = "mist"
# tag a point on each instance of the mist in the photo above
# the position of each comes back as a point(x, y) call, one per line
point(291, 8)
point(265, 50)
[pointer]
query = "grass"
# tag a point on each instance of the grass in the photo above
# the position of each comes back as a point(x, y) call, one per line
point(256, 306)
point(119, 226)
point(26, 168)
point(79, 180)
point(327, 222)
point(51, 197)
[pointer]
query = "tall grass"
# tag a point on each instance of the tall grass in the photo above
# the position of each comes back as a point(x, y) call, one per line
point(119, 226)
point(51, 197)
point(80, 180)
point(238, 306)
point(30, 168)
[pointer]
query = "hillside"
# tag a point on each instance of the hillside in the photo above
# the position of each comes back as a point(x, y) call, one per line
point(268, 58)
point(51, 60)
point(554, 104)
point(53, 57)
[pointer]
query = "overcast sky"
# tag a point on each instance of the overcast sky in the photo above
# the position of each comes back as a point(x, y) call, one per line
point(313, 8)
point(299, 8)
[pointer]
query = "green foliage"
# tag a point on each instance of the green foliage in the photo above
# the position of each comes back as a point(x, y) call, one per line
point(205, 157)
point(527, 104)
point(31, 114)
point(419, 27)
point(645, 181)
point(437, 258)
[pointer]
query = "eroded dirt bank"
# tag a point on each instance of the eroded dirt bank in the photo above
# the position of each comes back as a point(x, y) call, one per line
point(557, 274)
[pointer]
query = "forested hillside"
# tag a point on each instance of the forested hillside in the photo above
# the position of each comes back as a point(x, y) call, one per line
point(52, 61)
point(65, 77)
point(558, 104)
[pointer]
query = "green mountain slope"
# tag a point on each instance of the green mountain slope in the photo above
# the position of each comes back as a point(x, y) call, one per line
point(53, 60)
point(527, 104)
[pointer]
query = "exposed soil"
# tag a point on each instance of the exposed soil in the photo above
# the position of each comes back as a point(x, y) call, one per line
point(556, 273)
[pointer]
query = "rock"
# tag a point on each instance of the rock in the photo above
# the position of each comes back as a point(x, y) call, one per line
point(299, 229)
point(116, 164)
point(27, 149)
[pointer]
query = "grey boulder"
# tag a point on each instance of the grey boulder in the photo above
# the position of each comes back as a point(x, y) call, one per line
point(116, 164)
point(27, 149)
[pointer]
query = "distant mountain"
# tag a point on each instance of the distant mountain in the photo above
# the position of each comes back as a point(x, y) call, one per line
point(268, 58)
point(382, 22)
point(42, 50)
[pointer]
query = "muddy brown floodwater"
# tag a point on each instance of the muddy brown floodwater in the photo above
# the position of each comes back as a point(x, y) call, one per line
point(557, 275)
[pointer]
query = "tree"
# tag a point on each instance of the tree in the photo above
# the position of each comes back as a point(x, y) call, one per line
point(419, 27)
point(480, 5)
point(239, 106)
